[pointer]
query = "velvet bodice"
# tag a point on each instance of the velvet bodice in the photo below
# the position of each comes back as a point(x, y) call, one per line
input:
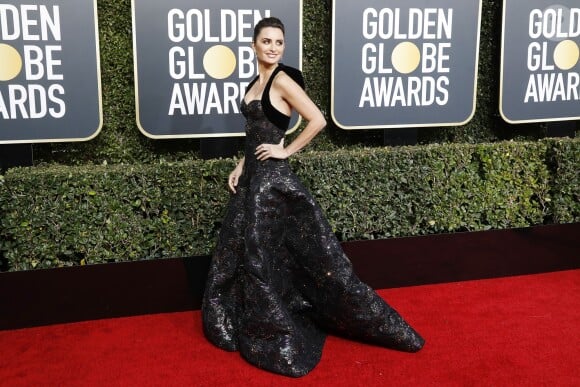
point(275, 116)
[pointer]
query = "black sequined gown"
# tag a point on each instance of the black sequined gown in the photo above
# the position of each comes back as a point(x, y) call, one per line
point(279, 278)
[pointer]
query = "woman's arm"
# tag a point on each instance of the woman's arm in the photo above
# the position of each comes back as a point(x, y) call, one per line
point(295, 97)
point(235, 175)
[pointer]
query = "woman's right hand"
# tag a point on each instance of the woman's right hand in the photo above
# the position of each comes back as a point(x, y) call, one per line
point(235, 175)
point(233, 180)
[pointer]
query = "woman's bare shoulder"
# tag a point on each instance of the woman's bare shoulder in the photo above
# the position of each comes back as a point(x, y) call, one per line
point(288, 75)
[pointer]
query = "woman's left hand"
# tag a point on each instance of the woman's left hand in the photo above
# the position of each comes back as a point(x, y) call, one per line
point(274, 151)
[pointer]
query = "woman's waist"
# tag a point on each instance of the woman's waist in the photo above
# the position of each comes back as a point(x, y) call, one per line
point(252, 163)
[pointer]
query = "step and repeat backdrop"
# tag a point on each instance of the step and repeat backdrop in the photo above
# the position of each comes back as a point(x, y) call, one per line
point(540, 78)
point(193, 61)
point(404, 63)
point(50, 86)
point(395, 64)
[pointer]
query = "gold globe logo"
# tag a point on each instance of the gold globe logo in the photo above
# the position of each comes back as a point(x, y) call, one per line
point(219, 62)
point(10, 62)
point(406, 57)
point(566, 54)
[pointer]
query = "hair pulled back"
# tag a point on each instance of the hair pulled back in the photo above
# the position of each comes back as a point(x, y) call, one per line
point(267, 22)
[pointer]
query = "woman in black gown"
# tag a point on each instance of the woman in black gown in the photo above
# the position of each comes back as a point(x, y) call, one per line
point(279, 278)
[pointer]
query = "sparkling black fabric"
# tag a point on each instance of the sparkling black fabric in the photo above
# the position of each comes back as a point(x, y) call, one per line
point(279, 279)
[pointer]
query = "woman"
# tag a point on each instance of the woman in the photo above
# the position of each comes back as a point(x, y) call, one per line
point(279, 278)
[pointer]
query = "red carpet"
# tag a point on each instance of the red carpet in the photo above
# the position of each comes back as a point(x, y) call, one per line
point(516, 331)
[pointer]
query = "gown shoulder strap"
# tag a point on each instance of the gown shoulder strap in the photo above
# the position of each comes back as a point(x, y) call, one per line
point(275, 116)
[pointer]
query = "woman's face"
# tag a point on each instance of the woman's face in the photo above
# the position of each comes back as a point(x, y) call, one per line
point(269, 45)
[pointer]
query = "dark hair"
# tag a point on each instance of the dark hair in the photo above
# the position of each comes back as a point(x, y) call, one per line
point(267, 22)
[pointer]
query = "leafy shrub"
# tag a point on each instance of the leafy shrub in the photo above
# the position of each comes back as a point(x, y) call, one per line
point(55, 216)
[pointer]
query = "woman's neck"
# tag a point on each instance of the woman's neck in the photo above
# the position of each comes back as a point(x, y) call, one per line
point(265, 71)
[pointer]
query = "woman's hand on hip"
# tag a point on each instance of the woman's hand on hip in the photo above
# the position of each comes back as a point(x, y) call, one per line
point(271, 151)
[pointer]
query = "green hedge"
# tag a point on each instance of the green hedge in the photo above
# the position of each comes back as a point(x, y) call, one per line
point(565, 160)
point(56, 216)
